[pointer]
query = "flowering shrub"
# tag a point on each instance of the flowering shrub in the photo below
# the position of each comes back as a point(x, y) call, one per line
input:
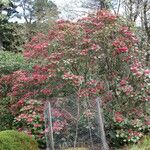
point(30, 119)
point(129, 129)
point(97, 56)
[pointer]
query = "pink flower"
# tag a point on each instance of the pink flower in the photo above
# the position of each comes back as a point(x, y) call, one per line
point(46, 130)
point(56, 113)
point(84, 52)
point(116, 43)
point(123, 82)
point(146, 72)
point(93, 90)
point(95, 47)
point(20, 102)
point(20, 129)
point(46, 92)
point(147, 123)
point(37, 125)
point(30, 120)
point(83, 93)
point(58, 126)
point(86, 41)
point(77, 80)
point(92, 82)
point(122, 50)
point(147, 98)
point(134, 69)
point(124, 29)
point(119, 117)
point(60, 21)
point(137, 134)
point(138, 74)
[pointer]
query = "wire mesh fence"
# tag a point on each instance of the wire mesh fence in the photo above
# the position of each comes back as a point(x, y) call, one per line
point(70, 123)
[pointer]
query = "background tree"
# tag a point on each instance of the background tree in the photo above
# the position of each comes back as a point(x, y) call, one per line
point(146, 19)
point(36, 13)
point(137, 12)
point(8, 6)
point(104, 4)
point(9, 37)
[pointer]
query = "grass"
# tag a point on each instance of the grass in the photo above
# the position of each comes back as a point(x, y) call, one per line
point(144, 144)
point(81, 148)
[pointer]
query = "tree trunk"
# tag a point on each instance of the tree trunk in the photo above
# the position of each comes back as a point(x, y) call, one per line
point(103, 4)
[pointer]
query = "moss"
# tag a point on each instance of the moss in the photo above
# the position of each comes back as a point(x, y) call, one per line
point(13, 140)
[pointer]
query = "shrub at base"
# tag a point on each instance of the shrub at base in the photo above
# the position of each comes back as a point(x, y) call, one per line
point(13, 140)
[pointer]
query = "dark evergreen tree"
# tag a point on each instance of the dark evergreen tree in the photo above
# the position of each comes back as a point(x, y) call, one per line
point(9, 38)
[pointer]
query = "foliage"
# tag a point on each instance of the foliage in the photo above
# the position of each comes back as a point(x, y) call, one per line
point(104, 4)
point(10, 39)
point(10, 62)
point(96, 57)
point(128, 130)
point(8, 7)
point(36, 10)
point(6, 118)
point(39, 15)
point(13, 140)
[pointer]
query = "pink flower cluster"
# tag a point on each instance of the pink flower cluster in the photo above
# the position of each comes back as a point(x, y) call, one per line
point(77, 80)
point(118, 117)
point(92, 87)
point(120, 46)
point(58, 126)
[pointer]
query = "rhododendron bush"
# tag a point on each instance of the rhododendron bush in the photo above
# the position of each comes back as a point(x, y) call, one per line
point(97, 56)
point(31, 120)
